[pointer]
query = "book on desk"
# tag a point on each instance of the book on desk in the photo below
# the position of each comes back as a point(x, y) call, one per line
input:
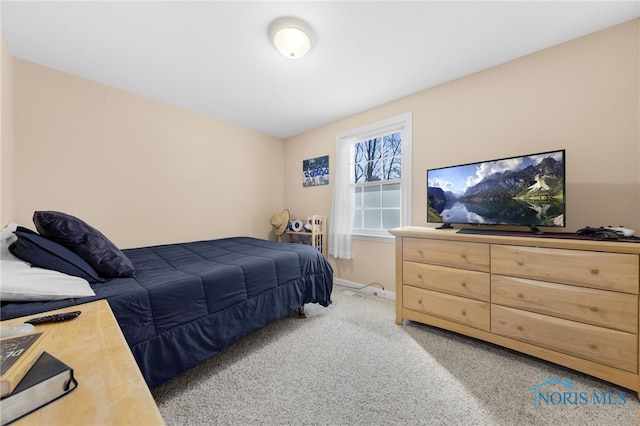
point(47, 380)
point(17, 355)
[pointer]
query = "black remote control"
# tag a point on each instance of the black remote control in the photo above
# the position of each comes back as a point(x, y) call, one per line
point(54, 318)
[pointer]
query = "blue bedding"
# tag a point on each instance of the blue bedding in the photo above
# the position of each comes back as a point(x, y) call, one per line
point(189, 301)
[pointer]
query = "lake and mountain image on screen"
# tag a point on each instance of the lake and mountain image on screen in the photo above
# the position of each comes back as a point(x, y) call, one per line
point(526, 190)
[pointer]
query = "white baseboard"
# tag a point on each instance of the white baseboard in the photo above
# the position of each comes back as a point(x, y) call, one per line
point(373, 289)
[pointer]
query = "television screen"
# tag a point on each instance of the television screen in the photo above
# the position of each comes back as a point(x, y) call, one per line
point(527, 190)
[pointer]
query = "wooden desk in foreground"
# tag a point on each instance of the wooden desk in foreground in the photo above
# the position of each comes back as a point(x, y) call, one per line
point(111, 389)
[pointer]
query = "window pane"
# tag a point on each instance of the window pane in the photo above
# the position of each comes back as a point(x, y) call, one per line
point(358, 173)
point(392, 168)
point(371, 196)
point(372, 219)
point(391, 195)
point(357, 197)
point(367, 171)
point(392, 153)
point(390, 218)
point(358, 163)
point(357, 218)
point(372, 149)
point(373, 171)
point(392, 145)
point(367, 160)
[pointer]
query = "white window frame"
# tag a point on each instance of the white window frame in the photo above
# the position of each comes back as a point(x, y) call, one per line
point(404, 124)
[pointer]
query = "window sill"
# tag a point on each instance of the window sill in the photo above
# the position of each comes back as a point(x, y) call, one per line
point(379, 238)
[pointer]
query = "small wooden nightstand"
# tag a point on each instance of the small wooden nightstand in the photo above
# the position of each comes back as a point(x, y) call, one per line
point(111, 389)
point(317, 237)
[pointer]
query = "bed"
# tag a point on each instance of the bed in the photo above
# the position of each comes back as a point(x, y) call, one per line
point(188, 301)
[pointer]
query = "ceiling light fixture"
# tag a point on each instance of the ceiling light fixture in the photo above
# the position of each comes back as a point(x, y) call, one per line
point(291, 36)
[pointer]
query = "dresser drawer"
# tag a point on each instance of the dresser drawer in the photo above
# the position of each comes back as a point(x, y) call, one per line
point(609, 271)
point(598, 307)
point(609, 347)
point(459, 282)
point(469, 312)
point(473, 256)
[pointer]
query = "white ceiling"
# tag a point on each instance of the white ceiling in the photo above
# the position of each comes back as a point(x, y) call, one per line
point(215, 57)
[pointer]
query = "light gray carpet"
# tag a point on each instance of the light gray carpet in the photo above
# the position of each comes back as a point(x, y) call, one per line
point(349, 364)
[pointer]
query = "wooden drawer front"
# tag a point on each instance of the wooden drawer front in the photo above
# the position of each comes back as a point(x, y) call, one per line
point(460, 282)
point(598, 307)
point(609, 271)
point(473, 256)
point(610, 347)
point(453, 308)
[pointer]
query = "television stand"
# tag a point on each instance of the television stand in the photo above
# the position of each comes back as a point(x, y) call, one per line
point(567, 301)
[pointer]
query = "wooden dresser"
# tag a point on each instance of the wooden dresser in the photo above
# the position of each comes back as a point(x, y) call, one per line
point(571, 302)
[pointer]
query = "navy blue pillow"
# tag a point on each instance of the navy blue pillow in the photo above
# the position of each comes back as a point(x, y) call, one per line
point(48, 254)
point(85, 241)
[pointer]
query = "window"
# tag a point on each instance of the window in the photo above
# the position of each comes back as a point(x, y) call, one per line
point(377, 170)
point(372, 181)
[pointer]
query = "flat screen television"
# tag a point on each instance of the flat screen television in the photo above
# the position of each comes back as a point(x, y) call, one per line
point(527, 190)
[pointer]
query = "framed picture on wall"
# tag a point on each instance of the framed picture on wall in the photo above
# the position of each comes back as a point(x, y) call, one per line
point(315, 171)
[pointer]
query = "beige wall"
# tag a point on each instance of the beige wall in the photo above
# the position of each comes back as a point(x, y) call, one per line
point(6, 133)
point(145, 172)
point(141, 171)
point(582, 96)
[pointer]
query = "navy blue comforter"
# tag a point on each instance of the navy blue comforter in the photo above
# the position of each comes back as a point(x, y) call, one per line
point(189, 301)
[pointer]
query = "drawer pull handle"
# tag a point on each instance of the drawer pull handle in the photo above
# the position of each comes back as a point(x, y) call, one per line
point(593, 308)
point(593, 346)
point(464, 313)
point(520, 296)
point(519, 327)
point(595, 272)
point(464, 256)
point(463, 284)
point(520, 263)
